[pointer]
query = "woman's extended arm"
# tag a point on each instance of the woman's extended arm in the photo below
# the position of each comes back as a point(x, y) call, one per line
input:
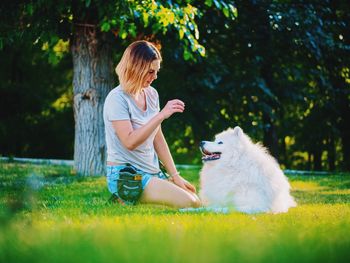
point(163, 152)
point(131, 138)
point(162, 149)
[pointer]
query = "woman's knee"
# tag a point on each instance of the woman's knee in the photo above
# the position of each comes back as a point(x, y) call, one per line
point(163, 192)
point(196, 203)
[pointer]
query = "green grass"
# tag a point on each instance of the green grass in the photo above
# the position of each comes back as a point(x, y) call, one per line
point(48, 214)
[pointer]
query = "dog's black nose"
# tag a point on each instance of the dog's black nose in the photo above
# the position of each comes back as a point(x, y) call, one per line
point(201, 143)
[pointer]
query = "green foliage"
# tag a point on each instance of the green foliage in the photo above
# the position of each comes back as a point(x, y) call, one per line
point(48, 214)
point(266, 71)
point(123, 18)
point(35, 104)
point(280, 70)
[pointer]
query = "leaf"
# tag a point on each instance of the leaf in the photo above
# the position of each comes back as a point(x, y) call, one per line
point(196, 33)
point(201, 50)
point(226, 12)
point(123, 35)
point(181, 33)
point(45, 46)
point(53, 40)
point(187, 55)
point(233, 10)
point(145, 17)
point(217, 4)
point(132, 29)
point(136, 14)
point(105, 26)
point(113, 22)
point(53, 59)
point(262, 85)
point(30, 9)
point(209, 3)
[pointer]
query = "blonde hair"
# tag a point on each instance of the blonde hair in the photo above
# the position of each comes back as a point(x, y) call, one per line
point(135, 64)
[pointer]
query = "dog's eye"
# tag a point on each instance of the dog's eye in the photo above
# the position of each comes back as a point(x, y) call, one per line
point(220, 142)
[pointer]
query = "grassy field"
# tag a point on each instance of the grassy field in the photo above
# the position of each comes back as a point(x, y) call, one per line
point(48, 214)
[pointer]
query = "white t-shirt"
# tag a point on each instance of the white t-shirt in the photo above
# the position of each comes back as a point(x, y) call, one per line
point(119, 105)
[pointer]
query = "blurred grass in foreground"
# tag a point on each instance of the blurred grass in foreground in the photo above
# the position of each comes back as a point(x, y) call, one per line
point(48, 214)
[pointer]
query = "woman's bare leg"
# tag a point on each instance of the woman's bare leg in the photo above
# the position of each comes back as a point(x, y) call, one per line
point(159, 191)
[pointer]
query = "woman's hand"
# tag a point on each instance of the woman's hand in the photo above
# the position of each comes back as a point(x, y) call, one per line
point(184, 184)
point(171, 107)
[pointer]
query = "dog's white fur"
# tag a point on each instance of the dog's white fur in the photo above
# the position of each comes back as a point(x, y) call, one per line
point(245, 177)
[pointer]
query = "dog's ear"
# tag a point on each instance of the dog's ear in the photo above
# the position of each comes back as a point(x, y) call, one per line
point(237, 131)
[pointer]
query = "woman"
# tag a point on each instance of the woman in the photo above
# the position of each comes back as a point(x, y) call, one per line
point(135, 141)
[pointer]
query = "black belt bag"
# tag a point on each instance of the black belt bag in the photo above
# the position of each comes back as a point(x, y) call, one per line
point(129, 184)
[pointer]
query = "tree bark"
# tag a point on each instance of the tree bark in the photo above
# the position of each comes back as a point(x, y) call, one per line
point(270, 139)
point(344, 127)
point(331, 151)
point(309, 161)
point(262, 33)
point(92, 80)
point(317, 159)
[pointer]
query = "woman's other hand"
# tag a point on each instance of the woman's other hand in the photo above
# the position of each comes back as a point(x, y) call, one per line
point(184, 184)
point(189, 186)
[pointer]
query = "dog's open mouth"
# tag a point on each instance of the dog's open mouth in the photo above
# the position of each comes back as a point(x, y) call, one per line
point(209, 156)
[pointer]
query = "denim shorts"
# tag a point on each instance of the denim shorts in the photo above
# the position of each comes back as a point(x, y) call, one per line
point(113, 176)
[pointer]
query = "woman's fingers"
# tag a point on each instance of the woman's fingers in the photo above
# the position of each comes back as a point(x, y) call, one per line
point(178, 109)
point(178, 101)
point(190, 187)
point(182, 183)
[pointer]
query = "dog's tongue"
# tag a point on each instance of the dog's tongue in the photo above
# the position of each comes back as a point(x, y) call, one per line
point(210, 157)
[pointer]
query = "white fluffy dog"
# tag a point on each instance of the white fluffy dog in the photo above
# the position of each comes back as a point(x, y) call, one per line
point(242, 174)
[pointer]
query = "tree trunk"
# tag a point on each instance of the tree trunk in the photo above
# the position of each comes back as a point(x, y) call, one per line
point(309, 161)
point(345, 139)
point(317, 159)
point(262, 32)
point(92, 80)
point(282, 153)
point(270, 136)
point(331, 151)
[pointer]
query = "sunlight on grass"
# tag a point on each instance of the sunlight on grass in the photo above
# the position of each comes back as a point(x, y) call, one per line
point(306, 186)
point(337, 192)
point(48, 214)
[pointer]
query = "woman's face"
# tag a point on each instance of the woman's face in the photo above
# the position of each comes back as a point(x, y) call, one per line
point(152, 73)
